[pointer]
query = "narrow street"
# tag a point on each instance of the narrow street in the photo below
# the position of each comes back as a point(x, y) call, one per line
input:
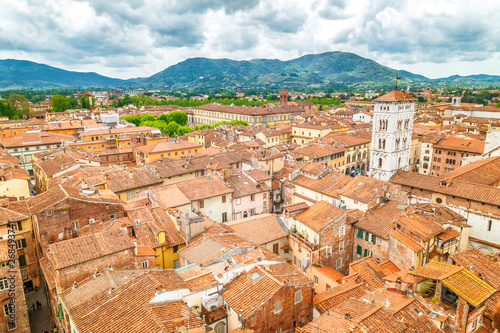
point(40, 320)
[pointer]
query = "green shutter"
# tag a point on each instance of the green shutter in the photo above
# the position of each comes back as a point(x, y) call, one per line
point(22, 260)
point(367, 236)
point(360, 233)
point(374, 239)
point(60, 313)
point(23, 242)
point(359, 250)
point(20, 225)
point(366, 253)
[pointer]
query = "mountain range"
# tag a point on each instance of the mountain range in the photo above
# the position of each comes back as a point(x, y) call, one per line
point(331, 69)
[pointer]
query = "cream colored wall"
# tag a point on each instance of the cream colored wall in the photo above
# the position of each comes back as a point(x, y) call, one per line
point(323, 280)
point(15, 188)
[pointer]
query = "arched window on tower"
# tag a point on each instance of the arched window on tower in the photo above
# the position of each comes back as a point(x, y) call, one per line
point(399, 125)
point(383, 144)
point(379, 143)
point(397, 144)
point(379, 162)
point(399, 163)
point(404, 143)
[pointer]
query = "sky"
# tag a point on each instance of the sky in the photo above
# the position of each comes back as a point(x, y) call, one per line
point(138, 38)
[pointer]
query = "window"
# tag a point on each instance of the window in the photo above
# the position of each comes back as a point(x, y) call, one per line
point(9, 309)
point(347, 257)
point(264, 195)
point(277, 306)
point(238, 201)
point(367, 236)
point(359, 250)
point(341, 246)
point(4, 284)
point(252, 212)
point(201, 204)
point(339, 263)
point(24, 274)
point(276, 248)
point(130, 195)
point(297, 297)
point(223, 199)
point(341, 231)
point(490, 222)
point(176, 264)
point(316, 280)
point(374, 239)
point(144, 264)
point(264, 210)
point(224, 217)
point(21, 243)
point(22, 260)
point(75, 225)
point(299, 264)
point(220, 328)
point(360, 233)
point(176, 248)
point(294, 262)
point(252, 197)
point(327, 286)
point(328, 251)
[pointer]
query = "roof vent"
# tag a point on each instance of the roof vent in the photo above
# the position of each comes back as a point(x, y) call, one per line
point(347, 316)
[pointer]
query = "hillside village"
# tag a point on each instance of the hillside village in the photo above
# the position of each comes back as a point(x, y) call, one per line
point(378, 215)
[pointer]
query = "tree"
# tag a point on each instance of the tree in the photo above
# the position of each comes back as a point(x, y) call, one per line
point(172, 128)
point(147, 117)
point(178, 117)
point(497, 105)
point(421, 99)
point(19, 105)
point(59, 103)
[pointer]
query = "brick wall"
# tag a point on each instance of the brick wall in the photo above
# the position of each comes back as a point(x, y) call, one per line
point(21, 310)
point(329, 236)
point(292, 315)
point(68, 276)
point(378, 251)
point(58, 219)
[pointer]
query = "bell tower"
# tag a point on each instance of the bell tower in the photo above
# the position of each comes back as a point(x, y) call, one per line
point(392, 128)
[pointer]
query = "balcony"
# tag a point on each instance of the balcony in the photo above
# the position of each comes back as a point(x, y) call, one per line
point(305, 243)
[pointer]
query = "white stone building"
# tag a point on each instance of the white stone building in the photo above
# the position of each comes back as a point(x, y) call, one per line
point(391, 134)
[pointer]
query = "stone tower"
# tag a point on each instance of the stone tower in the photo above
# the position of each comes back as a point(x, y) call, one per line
point(283, 97)
point(392, 127)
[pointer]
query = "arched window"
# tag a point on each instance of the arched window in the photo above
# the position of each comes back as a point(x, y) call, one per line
point(364, 154)
point(379, 162)
point(354, 157)
point(220, 327)
point(359, 156)
point(383, 144)
point(348, 159)
point(379, 143)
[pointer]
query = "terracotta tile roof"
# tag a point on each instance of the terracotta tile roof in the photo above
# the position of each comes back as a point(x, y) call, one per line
point(419, 225)
point(209, 246)
point(365, 189)
point(396, 95)
point(244, 186)
point(459, 144)
point(251, 111)
point(485, 172)
point(122, 130)
point(132, 307)
point(329, 185)
point(381, 220)
point(259, 229)
point(440, 214)
point(338, 294)
point(59, 193)
point(132, 178)
point(29, 139)
point(459, 280)
point(361, 317)
point(330, 272)
point(347, 140)
point(77, 250)
point(247, 292)
point(370, 272)
point(408, 241)
point(314, 151)
point(7, 215)
point(194, 189)
point(167, 146)
point(448, 234)
point(392, 301)
point(454, 187)
point(257, 175)
point(14, 173)
point(418, 323)
point(319, 215)
point(197, 278)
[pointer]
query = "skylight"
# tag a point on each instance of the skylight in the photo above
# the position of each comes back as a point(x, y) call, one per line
point(255, 276)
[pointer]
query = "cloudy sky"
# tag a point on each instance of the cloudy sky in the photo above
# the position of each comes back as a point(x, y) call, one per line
point(137, 38)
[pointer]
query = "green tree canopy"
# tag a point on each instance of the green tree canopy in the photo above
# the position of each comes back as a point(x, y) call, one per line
point(59, 103)
point(178, 117)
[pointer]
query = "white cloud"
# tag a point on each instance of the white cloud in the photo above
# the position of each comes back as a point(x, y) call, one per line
point(131, 38)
